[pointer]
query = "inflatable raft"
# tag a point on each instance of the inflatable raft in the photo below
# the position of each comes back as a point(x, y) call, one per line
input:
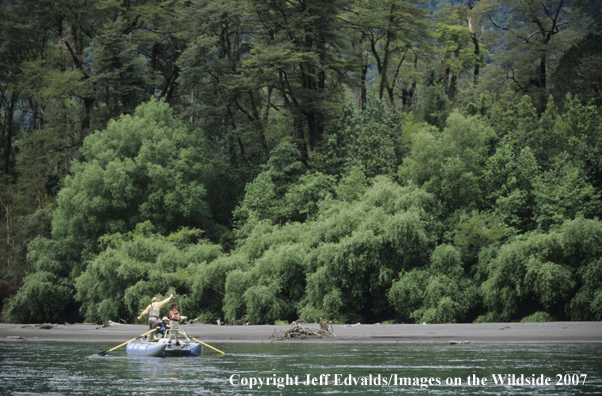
point(163, 347)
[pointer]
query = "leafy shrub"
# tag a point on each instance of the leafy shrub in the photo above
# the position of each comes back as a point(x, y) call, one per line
point(537, 317)
point(142, 167)
point(47, 294)
point(120, 281)
point(339, 263)
point(439, 293)
point(557, 271)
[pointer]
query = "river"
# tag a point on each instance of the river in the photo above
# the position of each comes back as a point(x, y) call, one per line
point(46, 368)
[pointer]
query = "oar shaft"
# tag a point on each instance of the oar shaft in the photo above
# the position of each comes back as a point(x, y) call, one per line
point(119, 346)
point(207, 345)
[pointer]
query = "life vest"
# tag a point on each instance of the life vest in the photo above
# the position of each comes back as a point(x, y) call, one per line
point(174, 314)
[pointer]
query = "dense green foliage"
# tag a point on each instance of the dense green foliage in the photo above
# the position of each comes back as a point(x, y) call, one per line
point(142, 167)
point(351, 160)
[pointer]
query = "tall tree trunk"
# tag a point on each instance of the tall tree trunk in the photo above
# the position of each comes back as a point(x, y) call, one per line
point(476, 40)
point(9, 132)
point(258, 122)
point(408, 94)
point(452, 86)
point(298, 129)
point(386, 55)
point(541, 73)
point(86, 117)
point(363, 96)
point(477, 52)
point(8, 135)
point(477, 67)
point(391, 96)
point(447, 68)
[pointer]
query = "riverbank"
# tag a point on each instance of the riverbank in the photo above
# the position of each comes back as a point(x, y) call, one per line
point(554, 332)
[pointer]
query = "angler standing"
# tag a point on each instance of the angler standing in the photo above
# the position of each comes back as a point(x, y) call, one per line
point(153, 313)
point(174, 324)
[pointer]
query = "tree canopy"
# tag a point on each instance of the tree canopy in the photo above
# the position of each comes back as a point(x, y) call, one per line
point(389, 160)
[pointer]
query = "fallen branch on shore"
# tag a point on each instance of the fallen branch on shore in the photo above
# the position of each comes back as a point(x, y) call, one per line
point(241, 322)
point(297, 330)
point(40, 326)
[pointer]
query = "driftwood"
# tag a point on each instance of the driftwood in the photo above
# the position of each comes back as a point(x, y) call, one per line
point(40, 326)
point(241, 322)
point(297, 330)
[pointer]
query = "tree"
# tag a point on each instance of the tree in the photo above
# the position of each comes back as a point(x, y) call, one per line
point(224, 92)
point(301, 47)
point(438, 293)
point(47, 293)
point(509, 180)
point(536, 33)
point(142, 167)
point(393, 31)
point(557, 272)
point(133, 267)
point(339, 263)
point(24, 39)
point(371, 140)
point(265, 196)
point(462, 50)
point(450, 163)
point(578, 72)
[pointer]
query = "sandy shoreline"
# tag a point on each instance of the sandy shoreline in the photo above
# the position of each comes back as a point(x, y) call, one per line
point(555, 332)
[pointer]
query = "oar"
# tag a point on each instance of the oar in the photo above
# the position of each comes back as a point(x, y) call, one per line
point(207, 345)
point(119, 346)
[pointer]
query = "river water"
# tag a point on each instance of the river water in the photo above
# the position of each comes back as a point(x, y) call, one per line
point(36, 368)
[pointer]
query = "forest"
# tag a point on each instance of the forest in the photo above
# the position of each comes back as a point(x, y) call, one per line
point(354, 160)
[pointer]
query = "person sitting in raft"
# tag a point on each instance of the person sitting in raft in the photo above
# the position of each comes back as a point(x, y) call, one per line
point(174, 323)
point(153, 313)
point(162, 327)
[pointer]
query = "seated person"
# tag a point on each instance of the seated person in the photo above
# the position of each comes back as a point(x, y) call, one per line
point(162, 327)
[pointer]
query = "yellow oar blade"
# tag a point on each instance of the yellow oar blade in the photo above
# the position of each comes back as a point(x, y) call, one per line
point(207, 345)
point(125, 343)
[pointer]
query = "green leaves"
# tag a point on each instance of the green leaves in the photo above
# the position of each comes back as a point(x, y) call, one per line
point(43, 297)
point(553, 271)
point(121, 280)
point(449, 164)
point(561, 193)
point(143, 167)
point(438, 293)
point(371, 140)
point(340, 262)
point(48, 293)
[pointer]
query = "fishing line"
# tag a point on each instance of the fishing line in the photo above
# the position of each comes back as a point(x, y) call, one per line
point(166, 280)
point(214, 289)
